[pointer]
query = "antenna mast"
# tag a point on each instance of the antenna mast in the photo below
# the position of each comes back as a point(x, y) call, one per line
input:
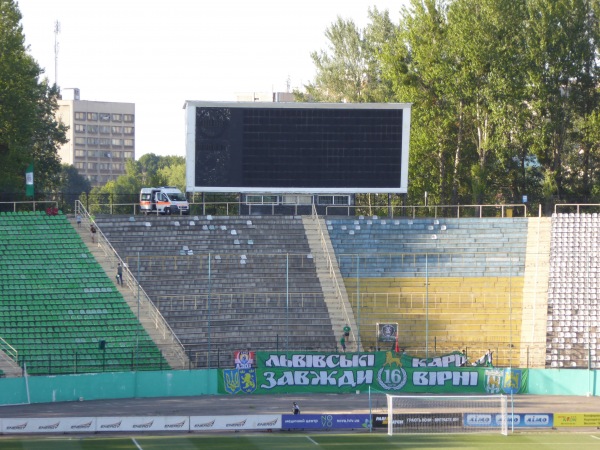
point(56, 31)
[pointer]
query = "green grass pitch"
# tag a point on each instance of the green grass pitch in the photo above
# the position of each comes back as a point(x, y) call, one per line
point(281, 441)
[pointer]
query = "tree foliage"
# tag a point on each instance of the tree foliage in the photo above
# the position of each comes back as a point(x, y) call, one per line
point(504, 94)
point(28, 128)
point(349, 71)
point(149, 171)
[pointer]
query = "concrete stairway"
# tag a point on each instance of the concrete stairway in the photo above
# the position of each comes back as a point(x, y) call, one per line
point(331, 280)
point(149, 317)
point(535, 293)
point(226, 268)
point(9, 366)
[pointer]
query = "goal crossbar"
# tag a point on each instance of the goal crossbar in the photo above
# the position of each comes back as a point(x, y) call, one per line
point(447, 414)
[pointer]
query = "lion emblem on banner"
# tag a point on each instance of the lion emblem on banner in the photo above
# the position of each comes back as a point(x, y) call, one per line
point(392, 375)
point(248, 380)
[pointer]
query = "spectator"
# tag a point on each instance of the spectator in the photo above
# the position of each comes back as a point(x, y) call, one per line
point(93, 232)
point(347, 330)
point(78, 219)
point(120, 274)
point(343, 343)
point(295, 408)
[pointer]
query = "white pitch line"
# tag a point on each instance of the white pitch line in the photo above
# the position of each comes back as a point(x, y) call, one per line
point(595, 437)
point(136, 444)
point(311, 440)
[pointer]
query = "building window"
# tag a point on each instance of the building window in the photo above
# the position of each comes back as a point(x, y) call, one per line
point(80, 140)
point(79, 128)
point(128, 142)
point(104, 129)
point(128, 155)
point(334, 200)
point(104, 142)
point(117, 167)
point(92, 116)
point(117, 142)
point(128, 130)
point(79, 116)
point(296, 199)
point(92, 129)
point(80, 153)
point(128, 117)
point(117, 130)
point(117, 118)
point(79, 165)
point(92, 141)
point(103, 166)
point(92, 166)
point(104, 117)
point(262, 199)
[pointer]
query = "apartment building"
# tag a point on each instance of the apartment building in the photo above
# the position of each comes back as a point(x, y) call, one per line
point(101, 136)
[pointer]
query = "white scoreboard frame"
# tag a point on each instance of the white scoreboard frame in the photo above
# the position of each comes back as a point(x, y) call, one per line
point(190, 132)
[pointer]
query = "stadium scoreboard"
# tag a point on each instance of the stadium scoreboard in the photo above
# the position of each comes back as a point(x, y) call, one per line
point(297, 147)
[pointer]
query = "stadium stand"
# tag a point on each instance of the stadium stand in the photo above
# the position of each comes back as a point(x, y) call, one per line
point(58, 308)
point(251, 282)
point(227, 283)
point(573, 325)
point(457, 281)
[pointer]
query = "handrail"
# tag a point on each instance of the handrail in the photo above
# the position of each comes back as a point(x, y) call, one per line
point(132, 283)
point(424, 211)
point(9, 350)
point(32, 203)
point(246, 298)
point(413, 211)
point(578, 206)
point(331, 269)
point(399, 302)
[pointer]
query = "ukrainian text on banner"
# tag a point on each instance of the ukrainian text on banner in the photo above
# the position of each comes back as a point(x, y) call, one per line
point(279, 372)
point(325, 421)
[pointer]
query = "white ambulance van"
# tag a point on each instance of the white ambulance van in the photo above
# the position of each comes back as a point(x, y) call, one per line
point(163, 200)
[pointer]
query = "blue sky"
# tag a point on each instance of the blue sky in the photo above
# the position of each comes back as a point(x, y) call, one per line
point(160, 54)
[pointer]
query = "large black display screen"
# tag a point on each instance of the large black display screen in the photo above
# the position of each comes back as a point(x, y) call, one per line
point(317, 149)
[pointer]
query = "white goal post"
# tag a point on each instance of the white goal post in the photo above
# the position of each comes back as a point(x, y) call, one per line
point(447, 414)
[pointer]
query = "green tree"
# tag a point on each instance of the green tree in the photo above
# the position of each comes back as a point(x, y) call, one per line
point(486, 50)
point(504, 94)
point(28, 130)
point(71, 187)
point(420, 67)
point(562, 79)
point(174, 175)
point(349, 70)
point(117, 196)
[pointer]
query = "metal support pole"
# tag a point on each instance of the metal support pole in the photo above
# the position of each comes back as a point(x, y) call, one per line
point(208, 308)
point(137, 333)
point(287, 301)
point(358, 303)
point(426, 306)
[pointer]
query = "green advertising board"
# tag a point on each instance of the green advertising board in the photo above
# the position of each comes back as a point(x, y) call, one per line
point(312, 372)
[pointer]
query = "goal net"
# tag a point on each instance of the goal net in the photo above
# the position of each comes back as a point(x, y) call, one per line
point(447, 414)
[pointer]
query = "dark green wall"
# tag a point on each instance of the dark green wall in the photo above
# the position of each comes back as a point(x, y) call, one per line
point(66, 388)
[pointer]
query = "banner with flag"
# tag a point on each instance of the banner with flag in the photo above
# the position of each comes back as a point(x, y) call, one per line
point(29, 181)
point(324, 372)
